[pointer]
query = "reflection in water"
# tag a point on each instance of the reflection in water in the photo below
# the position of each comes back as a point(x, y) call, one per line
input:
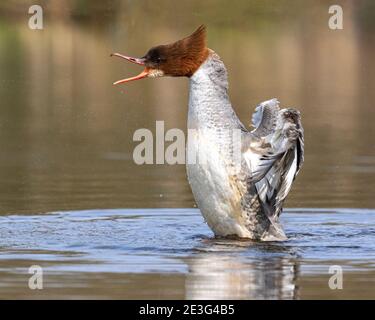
point(169, 253)
point(229, 275)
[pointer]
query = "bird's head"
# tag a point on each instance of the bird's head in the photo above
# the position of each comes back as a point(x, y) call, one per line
point(179, 59)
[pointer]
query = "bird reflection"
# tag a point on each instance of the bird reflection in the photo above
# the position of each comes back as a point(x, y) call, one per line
point(223, 269)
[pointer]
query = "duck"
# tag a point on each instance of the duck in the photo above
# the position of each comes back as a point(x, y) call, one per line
point(239, 177)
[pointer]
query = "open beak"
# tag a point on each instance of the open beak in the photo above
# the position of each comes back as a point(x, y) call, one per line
point(141, 61)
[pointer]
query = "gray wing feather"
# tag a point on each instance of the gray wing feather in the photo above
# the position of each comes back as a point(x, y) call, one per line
point(277, 169)
point(277, 182)
point(265, 117)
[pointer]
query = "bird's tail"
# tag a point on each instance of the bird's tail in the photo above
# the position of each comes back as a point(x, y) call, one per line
point(275, 232)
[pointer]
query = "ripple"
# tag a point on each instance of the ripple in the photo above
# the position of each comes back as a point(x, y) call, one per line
point(177, 241)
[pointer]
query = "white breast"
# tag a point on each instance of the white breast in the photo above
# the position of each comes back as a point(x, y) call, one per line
point(209, 179)
point(210, 119)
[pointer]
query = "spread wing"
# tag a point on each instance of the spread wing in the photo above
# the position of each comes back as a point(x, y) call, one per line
point(275, 154)
point(265, 117)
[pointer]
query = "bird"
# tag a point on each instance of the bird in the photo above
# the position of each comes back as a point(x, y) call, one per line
point(242, 176)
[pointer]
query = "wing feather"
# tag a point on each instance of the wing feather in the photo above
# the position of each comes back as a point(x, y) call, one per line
point(265, 117)
point(274, 168)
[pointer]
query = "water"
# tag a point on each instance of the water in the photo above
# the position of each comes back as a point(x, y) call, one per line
point(66, 151)
point(117, 253)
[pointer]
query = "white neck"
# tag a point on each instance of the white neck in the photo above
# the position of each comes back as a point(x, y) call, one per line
point(209, 104)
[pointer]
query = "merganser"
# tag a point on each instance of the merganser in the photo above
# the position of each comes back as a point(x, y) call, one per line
point(244, 203)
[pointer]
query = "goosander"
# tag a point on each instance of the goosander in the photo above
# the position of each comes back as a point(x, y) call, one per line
point(245, 202)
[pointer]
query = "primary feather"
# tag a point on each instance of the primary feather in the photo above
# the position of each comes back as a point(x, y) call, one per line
point(280, 161)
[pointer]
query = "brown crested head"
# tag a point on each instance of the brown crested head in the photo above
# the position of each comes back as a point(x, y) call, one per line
point(177, 59)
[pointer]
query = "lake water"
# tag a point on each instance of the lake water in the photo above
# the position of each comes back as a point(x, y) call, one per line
point(170, 253)
point(68, 178)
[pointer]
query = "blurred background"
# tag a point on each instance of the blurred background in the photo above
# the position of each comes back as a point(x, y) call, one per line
point(66, 132)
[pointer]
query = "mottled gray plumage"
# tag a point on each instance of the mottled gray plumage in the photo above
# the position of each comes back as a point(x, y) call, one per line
point(246, 199)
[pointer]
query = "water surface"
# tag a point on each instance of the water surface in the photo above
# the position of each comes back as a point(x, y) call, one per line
point(170, 253)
